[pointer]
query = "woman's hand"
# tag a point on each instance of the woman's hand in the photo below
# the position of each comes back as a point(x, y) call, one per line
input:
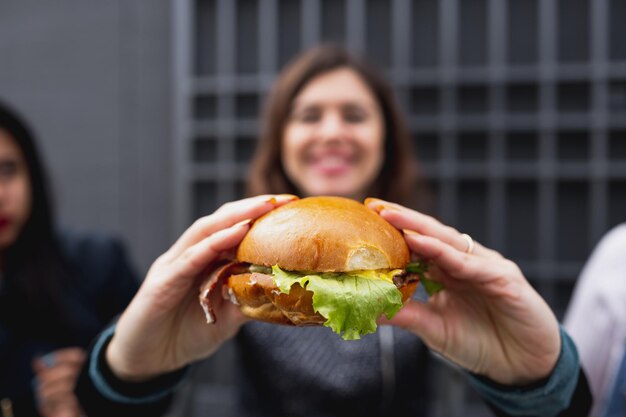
point(164, 327)
point(55, 377)
point(488, 319)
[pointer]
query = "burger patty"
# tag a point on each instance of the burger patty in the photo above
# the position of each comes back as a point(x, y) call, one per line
point(258, 291)
point(405, 278)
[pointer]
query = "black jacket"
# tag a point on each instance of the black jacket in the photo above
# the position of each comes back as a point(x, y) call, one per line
point(102, 285)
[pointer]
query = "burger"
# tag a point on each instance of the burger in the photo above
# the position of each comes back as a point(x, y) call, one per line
point(327, 261)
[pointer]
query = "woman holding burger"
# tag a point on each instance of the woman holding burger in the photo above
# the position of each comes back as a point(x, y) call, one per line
point(332, 127)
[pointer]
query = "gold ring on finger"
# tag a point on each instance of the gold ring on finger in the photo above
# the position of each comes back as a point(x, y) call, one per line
point(470, 243)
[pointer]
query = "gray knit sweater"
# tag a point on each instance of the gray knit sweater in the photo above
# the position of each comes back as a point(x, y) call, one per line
point(311, 371)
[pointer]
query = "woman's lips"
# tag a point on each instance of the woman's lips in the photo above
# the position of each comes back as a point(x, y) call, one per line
point(4, 222)
point(331, 165)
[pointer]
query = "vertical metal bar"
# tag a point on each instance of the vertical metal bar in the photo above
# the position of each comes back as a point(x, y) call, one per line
point(310, 19)
point(268, 41)
point(448, 201)
point(400, 43)
point(400, 36)
point(355, 25)
point(448, 34)
point(226, 15)
point(129, 138)
point(548, 28)
point(497, 60)
point(226, 55)
point(599, 119)
point(401, 47)
point(387, 368)
point(183, 27)
point(497, 38)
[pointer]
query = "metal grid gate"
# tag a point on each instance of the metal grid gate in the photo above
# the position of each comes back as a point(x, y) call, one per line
point(518, 110)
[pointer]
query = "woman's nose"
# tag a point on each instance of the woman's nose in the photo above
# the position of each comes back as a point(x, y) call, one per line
point(331, 128)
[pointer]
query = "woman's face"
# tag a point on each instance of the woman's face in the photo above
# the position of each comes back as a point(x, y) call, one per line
point(333, 140)
point(15, 192)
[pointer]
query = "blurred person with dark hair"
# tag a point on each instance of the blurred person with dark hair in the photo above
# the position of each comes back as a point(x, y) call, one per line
point(596, 319)
point(57, 290)
point(332, 127)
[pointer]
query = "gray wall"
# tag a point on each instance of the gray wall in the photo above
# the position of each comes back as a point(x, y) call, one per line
point(93, 78)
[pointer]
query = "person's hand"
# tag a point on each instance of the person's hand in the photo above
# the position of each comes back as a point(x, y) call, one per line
point(488, 318)
point(55, 378)
point(164, 327)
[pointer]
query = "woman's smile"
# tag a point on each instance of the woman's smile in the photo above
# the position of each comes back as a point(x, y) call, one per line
point(332, 163)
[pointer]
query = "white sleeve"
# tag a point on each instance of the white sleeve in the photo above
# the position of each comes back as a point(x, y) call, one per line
point(596, 317)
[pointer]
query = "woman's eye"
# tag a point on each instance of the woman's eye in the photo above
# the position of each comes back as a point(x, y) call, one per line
point(8, 169)
point(354, 116)
point(308, 117)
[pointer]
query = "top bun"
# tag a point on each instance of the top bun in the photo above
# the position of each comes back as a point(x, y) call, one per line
point(324, 234)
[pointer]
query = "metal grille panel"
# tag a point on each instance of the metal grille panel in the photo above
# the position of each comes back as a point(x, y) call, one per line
point(518, 109)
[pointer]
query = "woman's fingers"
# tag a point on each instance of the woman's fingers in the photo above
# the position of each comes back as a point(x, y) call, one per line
point(405, 219)
point(226, 216)
point(73, 355)
point(60, 407)
point(196, 258)
point(52, 391)
point(417, 318)
point(69, 408)
point(67, 365)
point(55, 383)
point(458, 265)
point(168, 287)
point(59, 373)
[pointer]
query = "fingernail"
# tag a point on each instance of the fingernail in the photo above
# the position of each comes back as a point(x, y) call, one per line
point(48, 360)
point(281, 198)
point(409, 232)
point(243, 223)
point(378, 208)
point(271, 200)
point(287, 197)
point(382, 207)
point(370, 200)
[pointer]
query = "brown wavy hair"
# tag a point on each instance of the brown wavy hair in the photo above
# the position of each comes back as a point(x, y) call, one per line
point(397, 180)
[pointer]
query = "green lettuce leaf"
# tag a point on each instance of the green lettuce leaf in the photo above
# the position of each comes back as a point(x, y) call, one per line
point(350, 302)
point(420, 268)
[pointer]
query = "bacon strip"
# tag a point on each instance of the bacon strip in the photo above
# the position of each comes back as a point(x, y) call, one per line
point(221, 272)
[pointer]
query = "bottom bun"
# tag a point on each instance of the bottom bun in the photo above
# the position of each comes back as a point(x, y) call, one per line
point(259, 298)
